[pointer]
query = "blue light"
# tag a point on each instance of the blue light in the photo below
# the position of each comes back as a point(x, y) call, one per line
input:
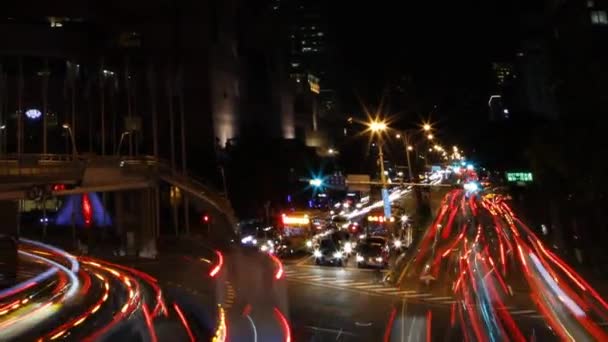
point(470, 167)
point(316, 182)
point(72, 209)
point(471, 187)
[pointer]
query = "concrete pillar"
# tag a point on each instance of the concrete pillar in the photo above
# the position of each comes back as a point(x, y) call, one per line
point(120, 220)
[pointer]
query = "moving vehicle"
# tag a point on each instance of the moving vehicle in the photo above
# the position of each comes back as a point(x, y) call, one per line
point(295, 229)
point(373, 254)
point(329, 252)
point(343, 240)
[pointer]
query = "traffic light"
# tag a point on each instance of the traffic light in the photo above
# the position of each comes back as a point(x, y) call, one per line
point(205, 218)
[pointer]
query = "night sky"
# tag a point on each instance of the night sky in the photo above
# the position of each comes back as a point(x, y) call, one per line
point(447, 48)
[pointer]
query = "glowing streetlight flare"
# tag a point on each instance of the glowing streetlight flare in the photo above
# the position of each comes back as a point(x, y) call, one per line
point(377, 126)
point(426, 127)
point(430, 136)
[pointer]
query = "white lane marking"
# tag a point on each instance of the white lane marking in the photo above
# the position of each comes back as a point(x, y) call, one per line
point(369, 287)
point(343, 281)
point(341, 332)
point(418, 295)
point(366, 324)
point(387, 289)
point(357, 284)
point(404, 292)
point(522, 312)
point(255, 331)
point(309, 277)
point(439, 298)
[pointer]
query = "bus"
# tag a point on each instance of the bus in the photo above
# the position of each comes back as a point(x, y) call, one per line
point(295, 228)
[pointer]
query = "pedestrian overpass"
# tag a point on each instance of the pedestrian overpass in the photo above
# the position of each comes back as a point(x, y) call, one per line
point(133, 179)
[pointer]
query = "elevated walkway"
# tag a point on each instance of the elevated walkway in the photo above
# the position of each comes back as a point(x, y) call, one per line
point(92, 173)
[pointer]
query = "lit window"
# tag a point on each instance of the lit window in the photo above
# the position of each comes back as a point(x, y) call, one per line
point(306, 49)
point(295, 65)
point(590, 3)
point(599, 18)
point(320, 34)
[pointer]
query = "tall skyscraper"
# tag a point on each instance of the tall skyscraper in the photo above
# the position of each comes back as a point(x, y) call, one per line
point(308, 56)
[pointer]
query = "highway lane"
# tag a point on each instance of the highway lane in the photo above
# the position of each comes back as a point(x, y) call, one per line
point(507, 284)
point(63, 297)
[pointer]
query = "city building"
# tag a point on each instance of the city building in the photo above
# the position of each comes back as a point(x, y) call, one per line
point(124, 76)
point(504, 83)
point(578, 30)
point(308, 55)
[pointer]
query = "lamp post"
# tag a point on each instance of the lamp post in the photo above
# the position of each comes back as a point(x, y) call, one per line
point(122, 137)
point(408, 148)
point(377, 127)
point(69, 129)
point(2, 138)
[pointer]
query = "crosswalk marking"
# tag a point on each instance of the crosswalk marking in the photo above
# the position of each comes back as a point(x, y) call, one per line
point(387, 289)
point(404, 292)
point(343, 281)
point(357, 284)
point(417, 295)
point(369, 287)
point(309, 277)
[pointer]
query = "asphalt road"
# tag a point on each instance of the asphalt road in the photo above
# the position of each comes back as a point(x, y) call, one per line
point(477, 274)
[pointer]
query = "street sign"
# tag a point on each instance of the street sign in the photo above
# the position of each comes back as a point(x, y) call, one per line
point(519, 177)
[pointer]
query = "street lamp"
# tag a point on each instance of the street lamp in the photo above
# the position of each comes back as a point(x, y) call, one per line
point(378, 127)
point(426, 127)
point(2, 138)
point(430, 137)
point(74, 151)
point(122, 137)
point(408, 149)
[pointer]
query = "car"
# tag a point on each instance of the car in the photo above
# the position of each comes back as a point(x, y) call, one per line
point(329, 252)
point(343, 239)
point(372, 254)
